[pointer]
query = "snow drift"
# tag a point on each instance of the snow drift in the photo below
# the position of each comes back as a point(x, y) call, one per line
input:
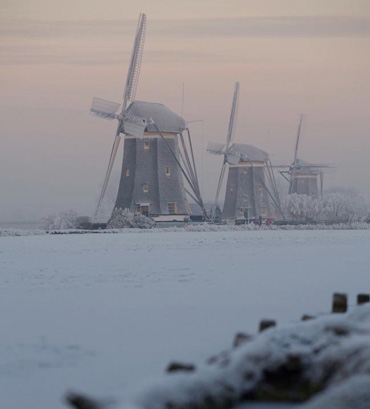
point(328, 357)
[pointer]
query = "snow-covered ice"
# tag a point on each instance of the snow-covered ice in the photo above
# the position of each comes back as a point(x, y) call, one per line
point(105, 313)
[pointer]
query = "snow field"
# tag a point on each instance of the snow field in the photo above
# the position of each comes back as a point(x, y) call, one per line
point(105, 313)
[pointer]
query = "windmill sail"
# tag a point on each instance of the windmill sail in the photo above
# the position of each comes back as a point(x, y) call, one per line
point(126, 123)
point(132, 79)
point(216, 148)
point(221, 149)
point(104, 109)
point(233, 115)
point(233, 158)
point(297, 140)
point(134, 125)
point(295, 165)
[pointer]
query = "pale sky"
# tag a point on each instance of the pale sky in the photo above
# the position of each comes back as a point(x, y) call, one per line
point(290, 56)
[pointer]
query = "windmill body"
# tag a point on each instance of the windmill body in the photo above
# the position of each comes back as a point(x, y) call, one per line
point(151, 182)
point(246, 195)
point(304, 180)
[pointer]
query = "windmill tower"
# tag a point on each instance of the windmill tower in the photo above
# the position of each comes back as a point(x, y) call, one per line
point(151, 180)
point(247, 195)
point(303, 176)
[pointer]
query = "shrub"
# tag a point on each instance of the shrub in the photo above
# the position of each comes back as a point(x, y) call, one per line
point(124, 219)
point(62, 221)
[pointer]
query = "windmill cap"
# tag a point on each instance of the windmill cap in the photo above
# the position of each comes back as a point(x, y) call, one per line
point(165, 119)
point(249, 152)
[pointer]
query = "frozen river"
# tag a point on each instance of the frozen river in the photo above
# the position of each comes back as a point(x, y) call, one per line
point(104, 313)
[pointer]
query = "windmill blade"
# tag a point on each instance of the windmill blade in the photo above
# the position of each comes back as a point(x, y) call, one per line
point(216, 148)
point(134, 125)
point(313, 166)
point(233, 116)
point(290, 186)
point(113, 154)
point(232, 158)
point(103, 108)
point(135, 64)
point(129, 124)
point(297, 140)
point(220, 180)
point(316, 165)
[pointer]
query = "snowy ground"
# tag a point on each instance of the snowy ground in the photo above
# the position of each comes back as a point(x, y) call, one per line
point(105, 313)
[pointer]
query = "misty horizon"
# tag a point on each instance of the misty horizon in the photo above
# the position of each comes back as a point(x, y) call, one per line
point(300, 59)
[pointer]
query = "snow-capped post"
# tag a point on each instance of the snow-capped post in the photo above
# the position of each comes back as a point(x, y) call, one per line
point(339, 303)
point(241, 338)
point(264, 324)
point(306, 317)
point(180, 367)
point(363, 299)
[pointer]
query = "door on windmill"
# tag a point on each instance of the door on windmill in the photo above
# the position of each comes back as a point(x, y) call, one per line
point(172, 208)
point(244, 212)
point(143, 208)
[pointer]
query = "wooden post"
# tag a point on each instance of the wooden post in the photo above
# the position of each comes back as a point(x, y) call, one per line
point(180, 367)
point(339, 303)
point(241, 338)
point(307, 317)
point(363, 299)
point(264, 324)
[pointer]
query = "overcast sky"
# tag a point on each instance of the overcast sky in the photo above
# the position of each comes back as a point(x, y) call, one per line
point(290, 56)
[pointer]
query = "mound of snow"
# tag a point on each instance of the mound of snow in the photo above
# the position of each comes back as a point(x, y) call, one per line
point(328, 357)
point(351, 394)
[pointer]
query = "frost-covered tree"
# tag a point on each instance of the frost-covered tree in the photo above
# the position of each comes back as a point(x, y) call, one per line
point(123, 219)
point(62, 221)
point(340, 205)
point(302, 207)
point(345, 205)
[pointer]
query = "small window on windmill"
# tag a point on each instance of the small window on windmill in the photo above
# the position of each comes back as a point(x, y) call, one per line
point(127, 172)
point(168, 171)
point(245, 171)
point(172, 208)
point(146, 144)
point(231, 188)
point(138, 208)
point(145, 188)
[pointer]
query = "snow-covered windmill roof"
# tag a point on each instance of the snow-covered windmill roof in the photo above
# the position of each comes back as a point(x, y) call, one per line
point(249, 152)
point(165, 119)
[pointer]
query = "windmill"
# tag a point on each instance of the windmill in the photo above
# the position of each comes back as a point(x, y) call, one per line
point(154, 164)
point(303, 176)
point(247, 195)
